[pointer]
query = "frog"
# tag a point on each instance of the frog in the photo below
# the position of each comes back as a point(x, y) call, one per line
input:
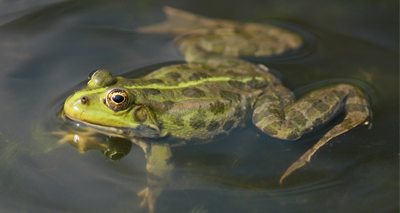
point(211, 94)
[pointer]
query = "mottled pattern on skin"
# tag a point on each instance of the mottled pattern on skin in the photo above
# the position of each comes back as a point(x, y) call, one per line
point(193, 92)
point(227, 37)
point(173, 75)
point(231, 96)
point(255, 84)
point(213, 126)
point(237, 84)
point(210, 95)
point(355, 100)
point(152, 91)
point(168, 104)
point(198, 76)
point(156, 81)
point(206, 123)
point(218, 108)
point(292, 121)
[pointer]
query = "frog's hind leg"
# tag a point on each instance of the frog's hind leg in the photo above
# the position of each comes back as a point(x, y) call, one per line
point(289, 121)
point(204, 40)
point(180, 21)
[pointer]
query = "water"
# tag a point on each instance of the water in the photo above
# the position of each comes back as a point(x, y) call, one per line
point(49, 47)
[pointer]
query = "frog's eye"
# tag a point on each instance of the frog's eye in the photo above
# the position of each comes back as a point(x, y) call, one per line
point(117, 99)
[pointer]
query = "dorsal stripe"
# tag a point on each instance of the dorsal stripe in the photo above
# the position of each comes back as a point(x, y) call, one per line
point(180, 85)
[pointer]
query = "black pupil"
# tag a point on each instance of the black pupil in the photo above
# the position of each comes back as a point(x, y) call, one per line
point(118, 98)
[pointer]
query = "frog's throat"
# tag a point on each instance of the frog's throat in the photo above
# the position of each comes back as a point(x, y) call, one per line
point(140, 131)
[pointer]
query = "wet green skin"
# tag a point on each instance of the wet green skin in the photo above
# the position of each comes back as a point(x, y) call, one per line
point(189, 103)
point(209, 96)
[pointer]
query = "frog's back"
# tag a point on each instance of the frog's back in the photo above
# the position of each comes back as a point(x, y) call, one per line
point(194, 103)
point(214, 92)
point(195, 73)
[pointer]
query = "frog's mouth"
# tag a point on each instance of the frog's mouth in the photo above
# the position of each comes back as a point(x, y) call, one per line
point(142, 131)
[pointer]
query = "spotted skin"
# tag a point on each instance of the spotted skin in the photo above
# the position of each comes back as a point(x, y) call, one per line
point(212, 94)
point(293, 119)
point(225, 37)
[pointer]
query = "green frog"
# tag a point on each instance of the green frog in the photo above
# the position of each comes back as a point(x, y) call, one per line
point(211, 95)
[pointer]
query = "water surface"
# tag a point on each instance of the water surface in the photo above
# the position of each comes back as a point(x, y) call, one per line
point(48, 48)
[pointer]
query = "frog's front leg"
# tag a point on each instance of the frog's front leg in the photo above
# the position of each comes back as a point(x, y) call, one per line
point(277, 114)
point(159, 171)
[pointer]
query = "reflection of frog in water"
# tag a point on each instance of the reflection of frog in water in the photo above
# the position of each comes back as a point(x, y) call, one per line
point(113, 148)
point(210, 95)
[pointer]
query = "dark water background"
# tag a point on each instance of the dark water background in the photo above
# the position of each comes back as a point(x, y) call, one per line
point(48, 47)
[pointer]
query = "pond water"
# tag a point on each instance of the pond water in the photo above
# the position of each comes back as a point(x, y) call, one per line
point(48, 48)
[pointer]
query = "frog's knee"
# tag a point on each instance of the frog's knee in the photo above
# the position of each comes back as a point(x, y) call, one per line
point(357, 107)
point(289, 135)
point(278, 130)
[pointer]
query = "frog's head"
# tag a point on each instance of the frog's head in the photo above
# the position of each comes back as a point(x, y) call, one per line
point(108, 106)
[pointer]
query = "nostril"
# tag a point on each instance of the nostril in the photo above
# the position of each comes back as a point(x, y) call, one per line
point(84, 100)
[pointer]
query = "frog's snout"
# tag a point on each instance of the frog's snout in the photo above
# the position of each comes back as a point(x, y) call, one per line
point(74, 106)
point(84, 100)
